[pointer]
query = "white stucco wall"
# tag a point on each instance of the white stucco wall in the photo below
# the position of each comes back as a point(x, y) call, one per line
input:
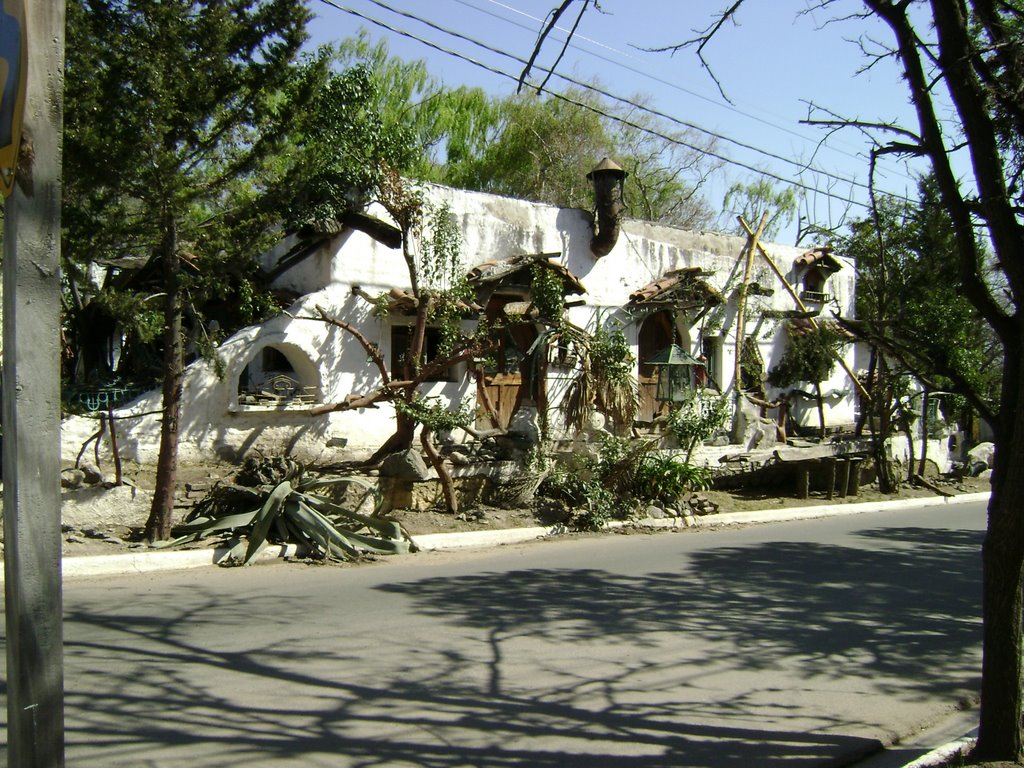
point(493, 228)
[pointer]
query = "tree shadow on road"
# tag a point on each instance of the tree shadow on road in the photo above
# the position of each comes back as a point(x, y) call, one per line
point(895, 612)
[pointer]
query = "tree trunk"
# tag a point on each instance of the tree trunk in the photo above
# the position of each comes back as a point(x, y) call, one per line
point(999, 731)
point(158, 526)
point(437, 462)
point(400, 440)
point(881, 403)
point(821, 409)
point(925, 407)
point(908, 429)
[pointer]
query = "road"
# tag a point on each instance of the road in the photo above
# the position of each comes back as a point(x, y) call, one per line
point(798, 643)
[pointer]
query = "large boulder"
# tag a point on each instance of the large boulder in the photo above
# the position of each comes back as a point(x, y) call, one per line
point(407, 465)
point(981, 454)
point(98, 507)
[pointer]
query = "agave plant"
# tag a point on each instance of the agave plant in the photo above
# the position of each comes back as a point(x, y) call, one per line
point(289, 512)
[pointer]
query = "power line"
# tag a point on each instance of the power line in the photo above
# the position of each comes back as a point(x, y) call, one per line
point(606, 94)
point(655, 78)
point(645, 129)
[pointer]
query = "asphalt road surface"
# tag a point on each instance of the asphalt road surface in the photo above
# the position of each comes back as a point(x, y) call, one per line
point(804, 643)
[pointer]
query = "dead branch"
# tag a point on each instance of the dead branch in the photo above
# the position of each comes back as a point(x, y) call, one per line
point(917, 479)
point(703, 38)
point(550, 25)
point(371, 349)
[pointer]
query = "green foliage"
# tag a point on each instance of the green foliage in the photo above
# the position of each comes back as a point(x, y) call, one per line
point(289, 511)
point(662, 478)
point(604, 380)
point(623, 475)
point(700, 418)
point(910, 296)
point(434, 414)
point(264, 135)
point(442, 274)
point(547, 293)
point(541, 148)
point(810, 357)
point(753, 200)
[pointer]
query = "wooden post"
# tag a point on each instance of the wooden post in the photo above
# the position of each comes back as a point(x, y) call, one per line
point(752, 246)
point(831, 479)
point(853, 487)
point(803, 480)
point(31, 409)
point(844, 478)
point(803, 308)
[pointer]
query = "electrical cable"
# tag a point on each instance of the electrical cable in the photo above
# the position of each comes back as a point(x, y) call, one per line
point(629, 102)
point(655, 78)
point(616, 118)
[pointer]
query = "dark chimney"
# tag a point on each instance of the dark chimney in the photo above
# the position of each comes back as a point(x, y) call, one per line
point(607, 179)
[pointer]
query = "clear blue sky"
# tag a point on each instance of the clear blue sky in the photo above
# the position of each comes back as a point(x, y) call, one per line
point(769, 66)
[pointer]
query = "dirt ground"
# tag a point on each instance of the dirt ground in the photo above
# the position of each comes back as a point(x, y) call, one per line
point(99, 520)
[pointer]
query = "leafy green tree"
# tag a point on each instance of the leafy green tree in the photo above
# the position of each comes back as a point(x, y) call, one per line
point(193, 130)
point(753, 199)
point(811, 357)
point(448, 125)
point(912, 310)
point(542, 148)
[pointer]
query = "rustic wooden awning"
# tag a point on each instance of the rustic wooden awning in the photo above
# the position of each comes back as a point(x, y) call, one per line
point(820, 257)
point(401, 301)
point(491, 272)
point(679, 289)
point(801, 326)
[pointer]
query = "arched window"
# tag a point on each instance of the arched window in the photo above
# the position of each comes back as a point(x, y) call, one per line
point(279, 375)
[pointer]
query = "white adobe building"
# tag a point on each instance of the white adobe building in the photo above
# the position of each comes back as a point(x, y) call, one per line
point(658, 284)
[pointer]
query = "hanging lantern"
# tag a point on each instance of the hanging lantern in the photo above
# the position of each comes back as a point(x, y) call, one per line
point(676, 374)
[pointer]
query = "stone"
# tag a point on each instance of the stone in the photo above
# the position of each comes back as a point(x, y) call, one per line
point(981, 453)
point(406, 465)
point(72, 478)
point(95, 506)
point(92, 473)
point(655, 512)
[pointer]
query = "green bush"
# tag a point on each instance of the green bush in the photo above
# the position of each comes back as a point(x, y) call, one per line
point(624, 475)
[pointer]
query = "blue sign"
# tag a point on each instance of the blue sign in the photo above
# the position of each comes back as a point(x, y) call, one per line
point(13, 72)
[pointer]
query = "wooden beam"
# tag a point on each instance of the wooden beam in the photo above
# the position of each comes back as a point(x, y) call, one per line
point(803, 308)
point(753, 243)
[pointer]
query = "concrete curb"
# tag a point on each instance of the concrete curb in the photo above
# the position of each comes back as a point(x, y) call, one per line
point(941, 754)
point(149, 562)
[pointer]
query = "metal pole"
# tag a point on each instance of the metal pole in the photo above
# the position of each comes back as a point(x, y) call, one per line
point(31, 410)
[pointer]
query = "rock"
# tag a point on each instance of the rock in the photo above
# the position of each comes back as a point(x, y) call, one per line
point(459, 459)
point(93, 507)
point(92, 473)
point(406, 465)
point(986, 475)
point(982, 452)
point(72, 478)
point(655, 512)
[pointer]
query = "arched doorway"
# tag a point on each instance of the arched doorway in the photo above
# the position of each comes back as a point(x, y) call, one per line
point(657, 331)
point(509, 377)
